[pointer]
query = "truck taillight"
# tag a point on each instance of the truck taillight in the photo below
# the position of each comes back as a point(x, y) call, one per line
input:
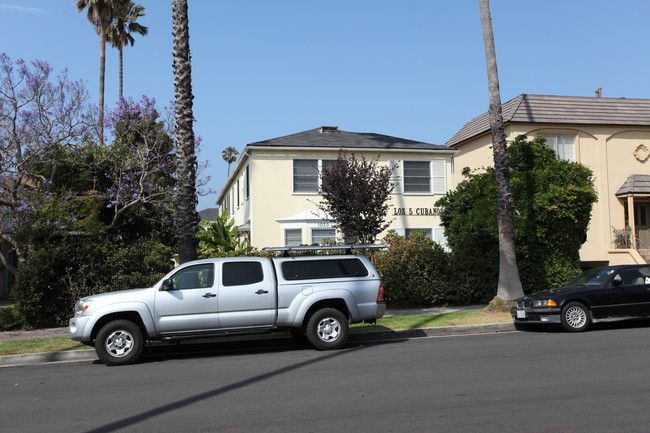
point(380, 293)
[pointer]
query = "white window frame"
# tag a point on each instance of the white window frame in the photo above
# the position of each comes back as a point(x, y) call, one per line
point(563, 150)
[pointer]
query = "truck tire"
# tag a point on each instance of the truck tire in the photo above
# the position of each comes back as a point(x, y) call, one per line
point(327, 329)
point(119, 342)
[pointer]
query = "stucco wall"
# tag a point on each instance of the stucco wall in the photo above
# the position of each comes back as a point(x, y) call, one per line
point(607, 151)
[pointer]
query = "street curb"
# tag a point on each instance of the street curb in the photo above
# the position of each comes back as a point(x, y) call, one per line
point(41, 358)
point(440, 331)
point(403, 334)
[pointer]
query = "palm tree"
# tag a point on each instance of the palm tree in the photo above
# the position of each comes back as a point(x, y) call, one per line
point(122, 29)
point(229, 155)
point(509, 286)
point(188, 217)
point(100, 14)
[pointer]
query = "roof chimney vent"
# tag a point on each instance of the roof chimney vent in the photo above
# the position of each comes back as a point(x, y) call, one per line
point(328, 129)
point(599, 92)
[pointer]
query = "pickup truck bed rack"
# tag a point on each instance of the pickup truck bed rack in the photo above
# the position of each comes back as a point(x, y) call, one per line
point(347, 248)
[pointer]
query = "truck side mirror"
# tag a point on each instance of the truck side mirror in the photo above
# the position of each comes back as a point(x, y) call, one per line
point(167, 284)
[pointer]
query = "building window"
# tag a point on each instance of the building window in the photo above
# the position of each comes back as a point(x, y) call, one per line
point(238, 196)
point(306, 174)
point(318, 236)
point(292, 237)
point(417, 176)
point(247, 183)
point(563, 145)
point(425, 232)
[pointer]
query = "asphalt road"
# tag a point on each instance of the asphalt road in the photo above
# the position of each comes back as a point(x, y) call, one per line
point(524, 382)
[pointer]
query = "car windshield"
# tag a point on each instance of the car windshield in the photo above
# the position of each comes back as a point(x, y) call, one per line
point(592, 277)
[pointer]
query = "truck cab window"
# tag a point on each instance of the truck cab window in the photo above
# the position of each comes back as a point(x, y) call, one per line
point(242, 273)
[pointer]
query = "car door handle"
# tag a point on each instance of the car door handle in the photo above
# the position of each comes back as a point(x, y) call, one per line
point(209, 295)
point(262, 292)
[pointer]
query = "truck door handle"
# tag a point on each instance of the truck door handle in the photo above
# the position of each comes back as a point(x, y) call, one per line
point(261, 292)
point(209, 295)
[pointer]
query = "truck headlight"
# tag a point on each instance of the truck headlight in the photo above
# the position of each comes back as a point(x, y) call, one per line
point(81, 306)
point(544, 303)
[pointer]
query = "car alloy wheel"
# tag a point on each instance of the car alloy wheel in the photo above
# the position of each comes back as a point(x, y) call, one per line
point(575, 317)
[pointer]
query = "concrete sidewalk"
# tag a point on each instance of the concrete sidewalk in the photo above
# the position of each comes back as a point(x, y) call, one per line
point(89, 355)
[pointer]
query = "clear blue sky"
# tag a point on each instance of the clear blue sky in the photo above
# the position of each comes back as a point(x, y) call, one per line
point(408, 68)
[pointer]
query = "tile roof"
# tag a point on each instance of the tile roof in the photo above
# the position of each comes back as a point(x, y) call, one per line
point(635, 184)
point(561, 110)
point(332, 137)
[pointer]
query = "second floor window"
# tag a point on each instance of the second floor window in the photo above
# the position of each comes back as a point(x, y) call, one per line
point(563, 145)
point(306, 174)
point(423, 177)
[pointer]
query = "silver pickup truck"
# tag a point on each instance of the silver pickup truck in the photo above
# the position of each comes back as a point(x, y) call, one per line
point(316, 297)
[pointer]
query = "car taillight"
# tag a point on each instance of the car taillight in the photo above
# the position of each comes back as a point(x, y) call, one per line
point(380, 294)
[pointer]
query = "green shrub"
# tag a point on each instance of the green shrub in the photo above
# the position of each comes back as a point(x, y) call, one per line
point(10, 318)
point(55, 275)
point(414, 271)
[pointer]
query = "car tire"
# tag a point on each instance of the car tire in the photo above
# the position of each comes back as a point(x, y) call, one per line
point(575, 317)
point(327, 329)
point(119, 342)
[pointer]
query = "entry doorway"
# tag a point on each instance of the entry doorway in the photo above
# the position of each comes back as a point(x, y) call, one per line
point(642, 223)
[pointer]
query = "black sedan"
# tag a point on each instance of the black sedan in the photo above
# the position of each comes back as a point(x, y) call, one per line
point(597, 295)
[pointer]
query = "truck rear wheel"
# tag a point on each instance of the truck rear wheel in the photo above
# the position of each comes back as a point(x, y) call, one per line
point(327, 329)
point(119, 342)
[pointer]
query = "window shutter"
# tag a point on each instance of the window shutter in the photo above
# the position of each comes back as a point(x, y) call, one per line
point(439, 176)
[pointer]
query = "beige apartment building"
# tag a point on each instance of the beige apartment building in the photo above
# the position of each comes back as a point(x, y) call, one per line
point(272, 192)
point(611, 136)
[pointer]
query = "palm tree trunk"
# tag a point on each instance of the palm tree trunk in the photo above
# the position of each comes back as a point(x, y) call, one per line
point(121, 66)
point(188, 217)
point(102, 73)
point(509, 286)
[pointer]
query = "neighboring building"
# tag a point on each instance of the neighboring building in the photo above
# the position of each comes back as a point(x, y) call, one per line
point(610, 136)
point(210, 214)
point(273, 191)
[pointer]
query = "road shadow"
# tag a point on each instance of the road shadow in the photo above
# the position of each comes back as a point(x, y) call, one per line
point(243, 347)
point(162, 352)
point(600, 326)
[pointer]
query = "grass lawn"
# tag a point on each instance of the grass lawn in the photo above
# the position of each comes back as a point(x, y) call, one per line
point(39, 345)
point(477, 317)
point(57, 344)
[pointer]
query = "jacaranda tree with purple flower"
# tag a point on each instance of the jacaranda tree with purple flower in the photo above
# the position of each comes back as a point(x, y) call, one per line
point(80, 216)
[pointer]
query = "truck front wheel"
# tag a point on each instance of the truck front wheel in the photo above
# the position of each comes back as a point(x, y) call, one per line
point(119, 342)
point(327, 329)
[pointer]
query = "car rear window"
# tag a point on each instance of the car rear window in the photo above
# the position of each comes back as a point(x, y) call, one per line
point(312, 269)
